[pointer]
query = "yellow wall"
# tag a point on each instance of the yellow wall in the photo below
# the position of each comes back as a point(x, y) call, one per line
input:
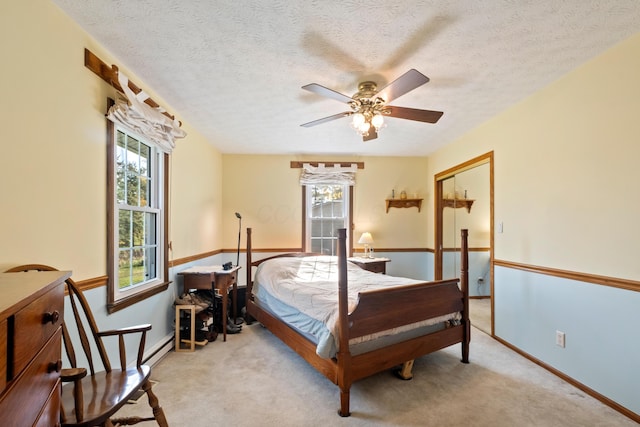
point(566, 169)
point(266, 192)
point(53, 161)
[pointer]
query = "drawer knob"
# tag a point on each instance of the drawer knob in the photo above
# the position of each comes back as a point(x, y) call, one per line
point(52, 317)
point(55, 366)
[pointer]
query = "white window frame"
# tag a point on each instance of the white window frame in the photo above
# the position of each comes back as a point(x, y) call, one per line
point(118, 298)
point(309, 218)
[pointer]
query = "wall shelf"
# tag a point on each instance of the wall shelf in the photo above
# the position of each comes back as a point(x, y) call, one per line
point(458, 203)
point(404, 203)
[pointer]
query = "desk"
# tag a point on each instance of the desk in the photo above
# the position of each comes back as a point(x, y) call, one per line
point(211, 278)
point(376, 265)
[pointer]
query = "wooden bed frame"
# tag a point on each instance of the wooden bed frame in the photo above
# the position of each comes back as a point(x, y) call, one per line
point(377, 310)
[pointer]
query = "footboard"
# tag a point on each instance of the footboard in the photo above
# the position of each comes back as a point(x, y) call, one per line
point(384, 309)
point(376, 311)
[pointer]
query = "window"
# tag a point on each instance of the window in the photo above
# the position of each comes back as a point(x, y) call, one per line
point(327, 208)
point(137, 201)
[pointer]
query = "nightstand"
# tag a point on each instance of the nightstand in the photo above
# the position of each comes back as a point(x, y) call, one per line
point(375, 265)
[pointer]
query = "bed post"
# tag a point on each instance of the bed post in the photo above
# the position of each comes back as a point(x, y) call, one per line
point(343, 356)
point(464, 287)
point(249, 290)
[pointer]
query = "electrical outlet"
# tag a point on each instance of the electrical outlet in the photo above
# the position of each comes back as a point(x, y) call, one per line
point(560, 339)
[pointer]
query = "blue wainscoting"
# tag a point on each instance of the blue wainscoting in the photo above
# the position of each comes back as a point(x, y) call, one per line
point(601, 326)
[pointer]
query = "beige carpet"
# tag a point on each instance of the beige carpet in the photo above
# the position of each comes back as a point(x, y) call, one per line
point(480, 313)
point(255, 380)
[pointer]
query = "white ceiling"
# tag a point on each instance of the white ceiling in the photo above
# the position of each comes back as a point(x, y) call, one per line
point(234, 69)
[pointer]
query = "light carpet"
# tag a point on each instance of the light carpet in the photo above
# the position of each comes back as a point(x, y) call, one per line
point(480, 313)
point(253, 379)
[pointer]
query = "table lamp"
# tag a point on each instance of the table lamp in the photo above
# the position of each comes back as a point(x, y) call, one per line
point(366, 240)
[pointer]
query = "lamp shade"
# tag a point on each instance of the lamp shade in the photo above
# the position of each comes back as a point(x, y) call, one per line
point(366, 238)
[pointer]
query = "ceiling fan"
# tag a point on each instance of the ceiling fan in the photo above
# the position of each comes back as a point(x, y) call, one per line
point(369, 106)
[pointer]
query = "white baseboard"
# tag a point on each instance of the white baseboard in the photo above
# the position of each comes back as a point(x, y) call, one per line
point(157, 352)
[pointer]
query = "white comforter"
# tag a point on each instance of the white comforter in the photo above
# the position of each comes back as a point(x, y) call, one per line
point(310, 285)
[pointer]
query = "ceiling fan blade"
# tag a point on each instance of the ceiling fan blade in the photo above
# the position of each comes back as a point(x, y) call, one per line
point(329, 93)
point(403, 84)
point(326, 119)
point(372, 135)
point(427, 116)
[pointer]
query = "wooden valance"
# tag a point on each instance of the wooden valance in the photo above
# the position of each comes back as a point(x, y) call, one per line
point(298, 165)
point(109, 75)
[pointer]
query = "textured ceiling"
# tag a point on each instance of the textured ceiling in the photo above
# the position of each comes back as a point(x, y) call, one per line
point(234, 69)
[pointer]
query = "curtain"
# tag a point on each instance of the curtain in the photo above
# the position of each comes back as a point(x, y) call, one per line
point(328, 175)
point(132, 113)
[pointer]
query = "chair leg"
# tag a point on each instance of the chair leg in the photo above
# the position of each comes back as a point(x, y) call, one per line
point(158, 413)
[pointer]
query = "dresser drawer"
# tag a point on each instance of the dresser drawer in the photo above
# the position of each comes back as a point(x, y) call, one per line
point(35, 324)
point(197, 281)
point(50, 415)
point(225, 280)
point(29, 392)
point(376, 267)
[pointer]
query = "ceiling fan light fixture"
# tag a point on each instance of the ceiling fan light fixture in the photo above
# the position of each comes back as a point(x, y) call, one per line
point(364, 128)
point(369, 105)
point(358, 120)
point(377, 120)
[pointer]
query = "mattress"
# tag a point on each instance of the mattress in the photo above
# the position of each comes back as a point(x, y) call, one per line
point(303, 292)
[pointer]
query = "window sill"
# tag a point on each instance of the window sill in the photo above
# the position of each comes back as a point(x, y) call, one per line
point(118, 305)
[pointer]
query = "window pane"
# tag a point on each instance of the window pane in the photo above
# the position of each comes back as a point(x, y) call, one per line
point(138, 232)
point(150, 264)
point(324, 246)
point(325, 227)
point(326, 201)
point(144, 191)
point(124, 269)
point(330, 247)
point(145, 174)
point(132, 171)
point(120, 167)
point(133, 188)
point(137, 267)
point(150, 229)
point(133, 154)
point(145, 152)
point(334, 225)
point(138, 247)
point(124, 228)
point(325, 193)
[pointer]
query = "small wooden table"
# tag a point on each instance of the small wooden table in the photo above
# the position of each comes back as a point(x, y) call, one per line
point(211, 278)
point(376, 265)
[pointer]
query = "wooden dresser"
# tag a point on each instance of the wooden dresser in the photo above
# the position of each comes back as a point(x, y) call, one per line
point(31, 315)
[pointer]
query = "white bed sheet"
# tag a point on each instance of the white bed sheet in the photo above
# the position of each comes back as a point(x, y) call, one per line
point(303, 291)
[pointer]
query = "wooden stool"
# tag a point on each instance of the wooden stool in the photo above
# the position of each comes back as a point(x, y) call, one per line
point(192, 341)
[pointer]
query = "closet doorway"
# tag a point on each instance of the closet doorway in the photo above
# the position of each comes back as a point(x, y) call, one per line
point(464, 199)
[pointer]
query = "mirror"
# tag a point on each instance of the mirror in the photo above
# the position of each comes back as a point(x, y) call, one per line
point(465, 198)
